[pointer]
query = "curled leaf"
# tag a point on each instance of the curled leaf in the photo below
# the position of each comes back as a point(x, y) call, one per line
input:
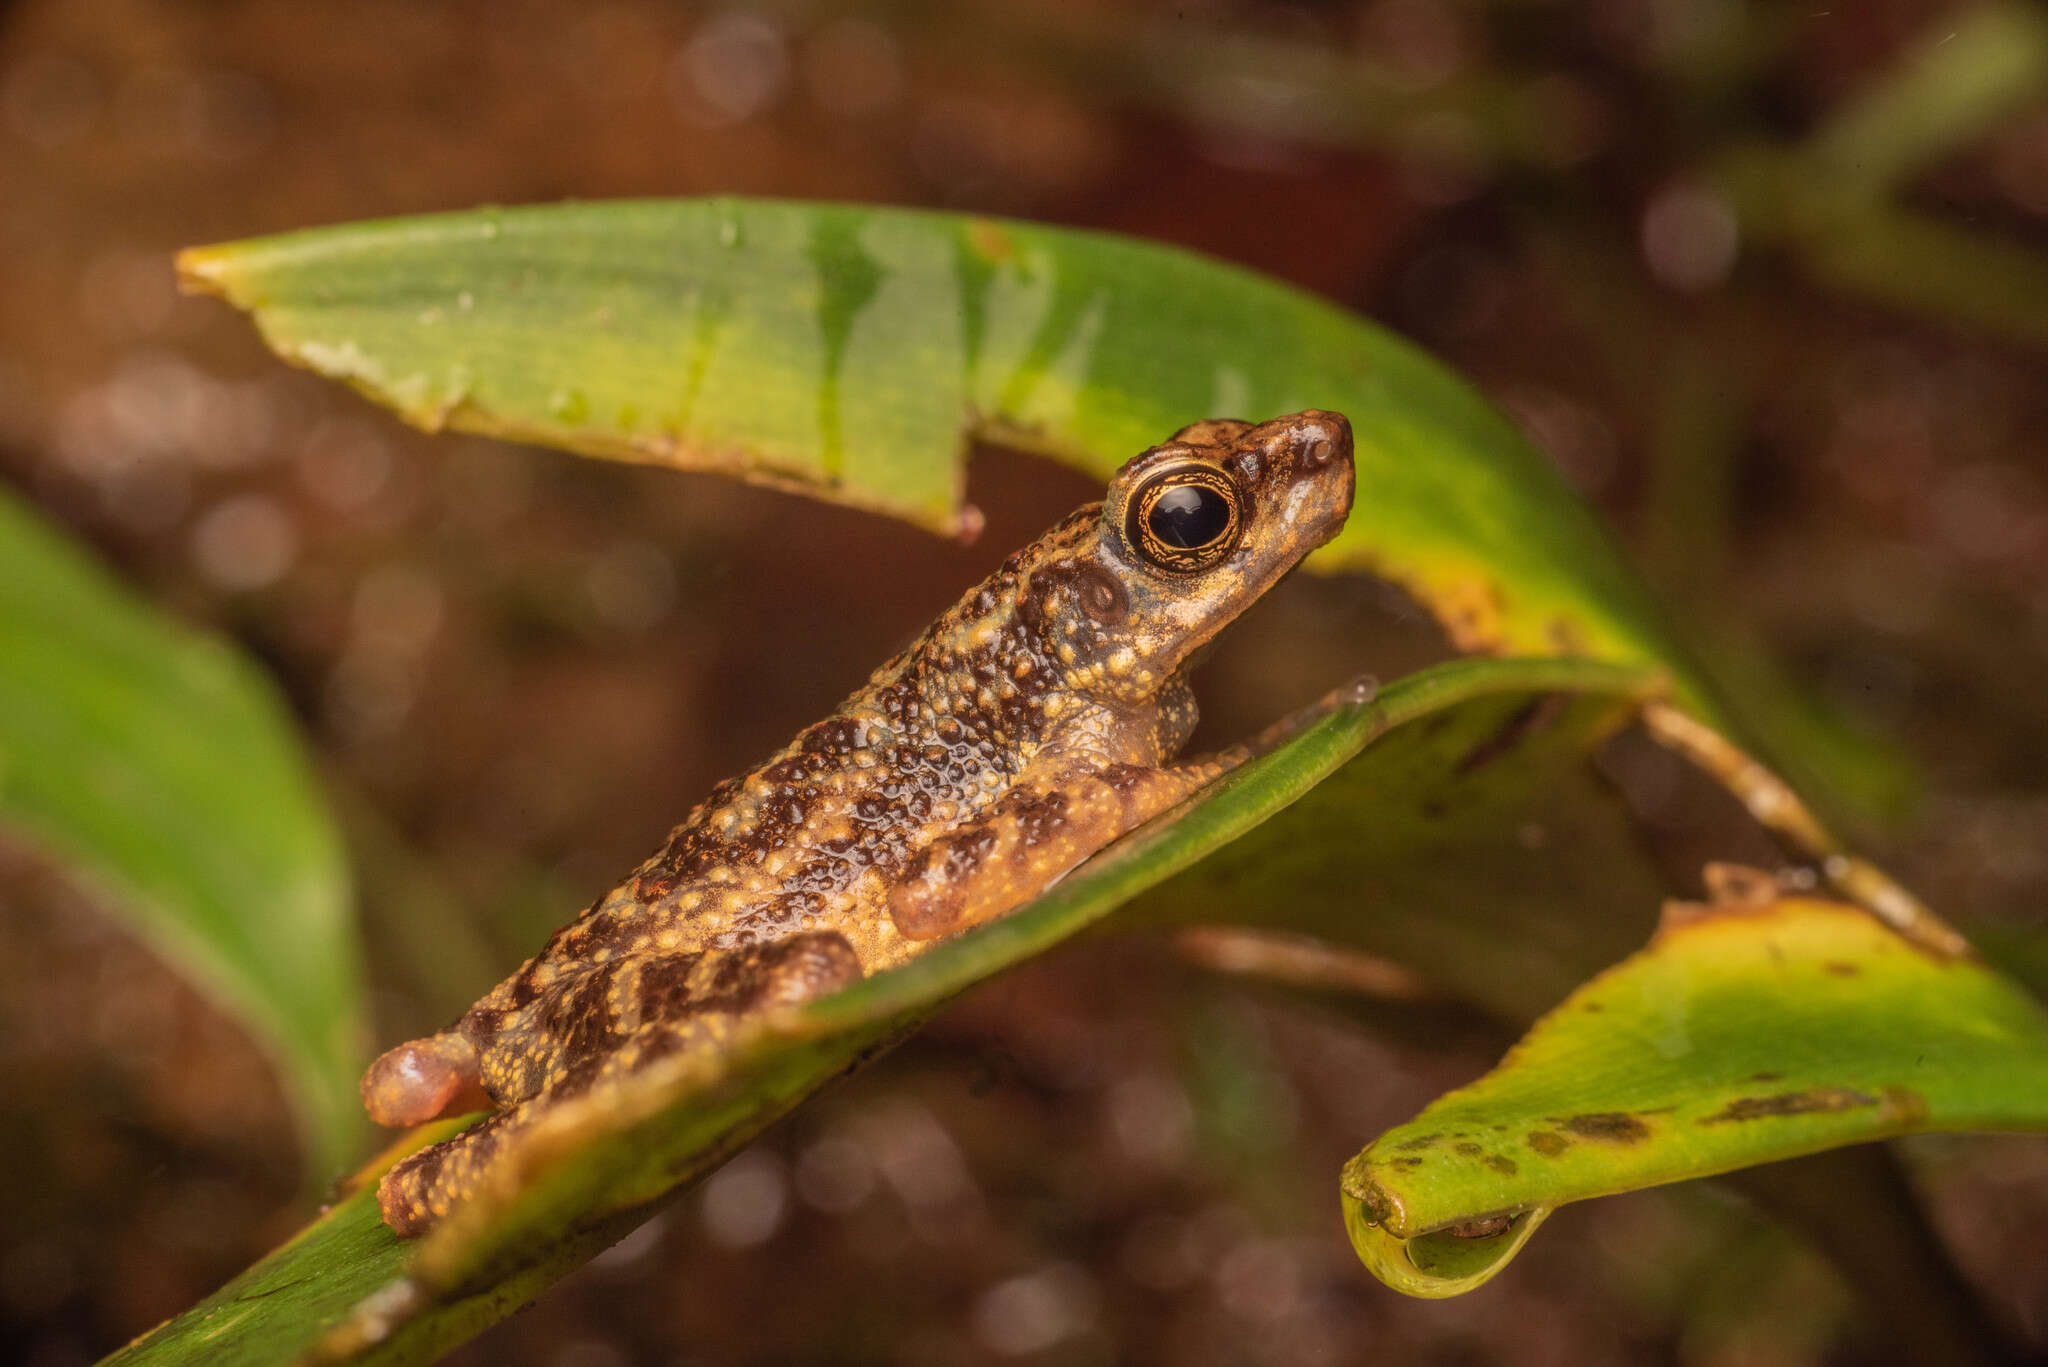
point(346, 1290)
point(1755, 1029)
point(850, 352)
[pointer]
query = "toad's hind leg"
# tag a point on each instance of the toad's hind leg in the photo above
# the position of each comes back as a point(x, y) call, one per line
point(1028, 838)
point(637, 1009)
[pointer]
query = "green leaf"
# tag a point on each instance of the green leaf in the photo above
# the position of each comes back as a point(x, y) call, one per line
point(1967, 73)
point(1747, 1032)
point(159, 766)
point(349, 1289)
point(849, 352)
point(1482, 850)
point(337, 1290)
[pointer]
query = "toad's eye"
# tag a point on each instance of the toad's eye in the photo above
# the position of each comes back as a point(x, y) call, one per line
point(1184, 521)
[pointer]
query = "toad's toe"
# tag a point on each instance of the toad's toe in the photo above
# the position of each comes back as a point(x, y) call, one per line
point(424, 1079)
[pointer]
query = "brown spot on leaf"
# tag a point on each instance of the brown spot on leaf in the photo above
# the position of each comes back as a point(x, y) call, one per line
point(1812, 1101)
point(1548, 1143)
point(1905, 1105)
point(1501, 1164)
point(1614, 1127)
point(1524, 722)
point(1842, 968)
point(1567, 636)
point(1469, 1149)
point(1486, 1227)
point(1422, 1141)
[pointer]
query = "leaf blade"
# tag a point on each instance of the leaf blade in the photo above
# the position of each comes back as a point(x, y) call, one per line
point(602, 1163)
point(158, 765)
point(1741, 1035)
point(873, 342)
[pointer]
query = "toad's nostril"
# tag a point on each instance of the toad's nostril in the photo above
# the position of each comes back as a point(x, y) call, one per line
point(1319, 439)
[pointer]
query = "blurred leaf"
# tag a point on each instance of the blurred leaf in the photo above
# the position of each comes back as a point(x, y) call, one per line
point(597, 1165)
point(1895, 256)
point(158, 765)
point(849, 352)
point(1826, 199)
point(1745, 1033)
point(1970, 70)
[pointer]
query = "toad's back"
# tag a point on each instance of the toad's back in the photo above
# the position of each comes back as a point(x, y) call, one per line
point(1026, 728)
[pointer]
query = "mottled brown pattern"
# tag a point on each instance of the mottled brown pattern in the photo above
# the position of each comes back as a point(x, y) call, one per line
point(1028, 727)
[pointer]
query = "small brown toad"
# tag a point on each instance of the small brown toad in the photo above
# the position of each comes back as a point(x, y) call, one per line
point(1030, 726)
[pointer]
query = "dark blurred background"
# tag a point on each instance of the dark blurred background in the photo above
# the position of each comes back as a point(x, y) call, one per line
point(1797, 360)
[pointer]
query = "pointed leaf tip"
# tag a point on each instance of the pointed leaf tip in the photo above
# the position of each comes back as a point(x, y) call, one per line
point(199, 272)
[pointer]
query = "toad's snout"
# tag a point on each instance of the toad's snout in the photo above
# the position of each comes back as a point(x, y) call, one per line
point(1324, 476)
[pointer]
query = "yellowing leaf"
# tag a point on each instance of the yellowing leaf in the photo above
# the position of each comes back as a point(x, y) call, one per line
point(1744, 1033)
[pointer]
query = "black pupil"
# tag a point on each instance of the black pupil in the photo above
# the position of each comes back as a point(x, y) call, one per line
point(1189, 517)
